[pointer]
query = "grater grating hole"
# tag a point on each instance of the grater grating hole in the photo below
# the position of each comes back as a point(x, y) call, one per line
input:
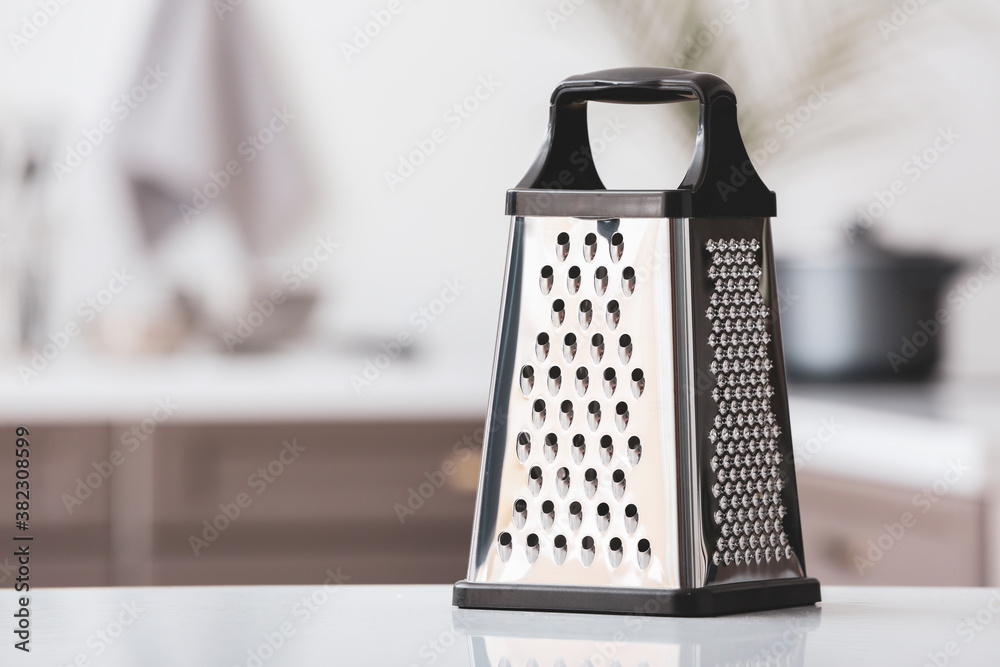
point(607, 449)
point(545, 279)
point(748, 490)
point(504, 542)
point(523, 446)
point(614, 314)
point(625, 348)
point(634, 450)
point(587, 555)
point(594, 415)
point(555, 380)
point(645, 554)
point(562, 481)
point(579, 448)
point(527, 379)
point(638, 382)
point(558, 312)
point(603, 516)
point(601, 280)
point(582, 380)
point(617, 246)
point(573, 279)
point(569, 347)
point(597, 348)
point(548, 514)
point(590, 482)
point(618, 483)
point(621, 415)
point(589, 246)
point(535, 480)
point(559, 549)
point(610, 382)
point(615, 551)
point(531, 547)
point(551, 447)
point(542, 346)
point(586, 313)
point(520, 512)
point(562, 246)
point(538, 413)
point(566, 414)
point(631, 518)
point(628, 281)
point(575, 515)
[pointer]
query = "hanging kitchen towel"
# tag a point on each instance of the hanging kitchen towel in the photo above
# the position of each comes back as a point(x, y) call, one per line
point(212, 130)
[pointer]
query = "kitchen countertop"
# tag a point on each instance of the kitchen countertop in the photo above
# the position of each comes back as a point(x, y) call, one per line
point(416, 625)
point(903, 435)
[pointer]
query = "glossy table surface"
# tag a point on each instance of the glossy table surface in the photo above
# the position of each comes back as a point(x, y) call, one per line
point(416, 625)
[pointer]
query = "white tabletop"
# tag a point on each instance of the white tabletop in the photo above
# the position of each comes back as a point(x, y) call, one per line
point(416, 625)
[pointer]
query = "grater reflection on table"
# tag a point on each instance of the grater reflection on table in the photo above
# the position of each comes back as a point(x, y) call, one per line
point(638, 456)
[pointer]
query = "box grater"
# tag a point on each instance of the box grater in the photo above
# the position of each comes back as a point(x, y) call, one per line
point(638, 456)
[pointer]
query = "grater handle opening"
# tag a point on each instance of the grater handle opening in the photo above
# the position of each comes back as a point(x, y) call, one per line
point(721, 181)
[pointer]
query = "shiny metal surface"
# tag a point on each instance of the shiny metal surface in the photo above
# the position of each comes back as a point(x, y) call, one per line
point(732, 261)
point(634, 438)
point(584, 384)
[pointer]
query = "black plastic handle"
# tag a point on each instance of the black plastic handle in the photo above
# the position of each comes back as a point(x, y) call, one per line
point(641, 85)
point(721, 179)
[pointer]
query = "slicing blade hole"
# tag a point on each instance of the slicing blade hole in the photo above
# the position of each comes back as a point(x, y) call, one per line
point(523, 446)
point(569, 347)
point(538, 413)
point(575, 515)
point(542, 346)
point(615, 551)
point(573, 279)
point(634, 450)
point(644, 553)
point(603, 516)
point(601, 280)
point(562, 246)
point(587, 553)
point(535, 480)
point(631, 518)
point(545, 278)
point(548, 514)
point(531, 547)
point(559, 549)
point(607, 449)
point(625, 348)
point(562, 481)
point(589, 246)
point(558, 312)
point(527, 379)
point(597, 348)
point(504, 542)
point(628, 281)
point(582, 380)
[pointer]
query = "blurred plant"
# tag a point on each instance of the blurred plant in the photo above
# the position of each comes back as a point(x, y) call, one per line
point(778, 54)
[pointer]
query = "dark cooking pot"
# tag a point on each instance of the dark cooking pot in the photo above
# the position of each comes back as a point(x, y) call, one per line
point(870, 314)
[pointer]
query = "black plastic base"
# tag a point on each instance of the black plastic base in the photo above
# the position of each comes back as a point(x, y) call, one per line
point(708, 601)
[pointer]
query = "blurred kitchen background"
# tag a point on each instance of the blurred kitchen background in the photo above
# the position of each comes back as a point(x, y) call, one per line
point(251, 256)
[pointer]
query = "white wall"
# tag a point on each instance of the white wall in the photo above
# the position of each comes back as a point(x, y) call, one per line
point(446, 221)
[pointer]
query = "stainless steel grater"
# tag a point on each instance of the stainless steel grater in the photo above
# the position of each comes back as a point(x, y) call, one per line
point(638, 455)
